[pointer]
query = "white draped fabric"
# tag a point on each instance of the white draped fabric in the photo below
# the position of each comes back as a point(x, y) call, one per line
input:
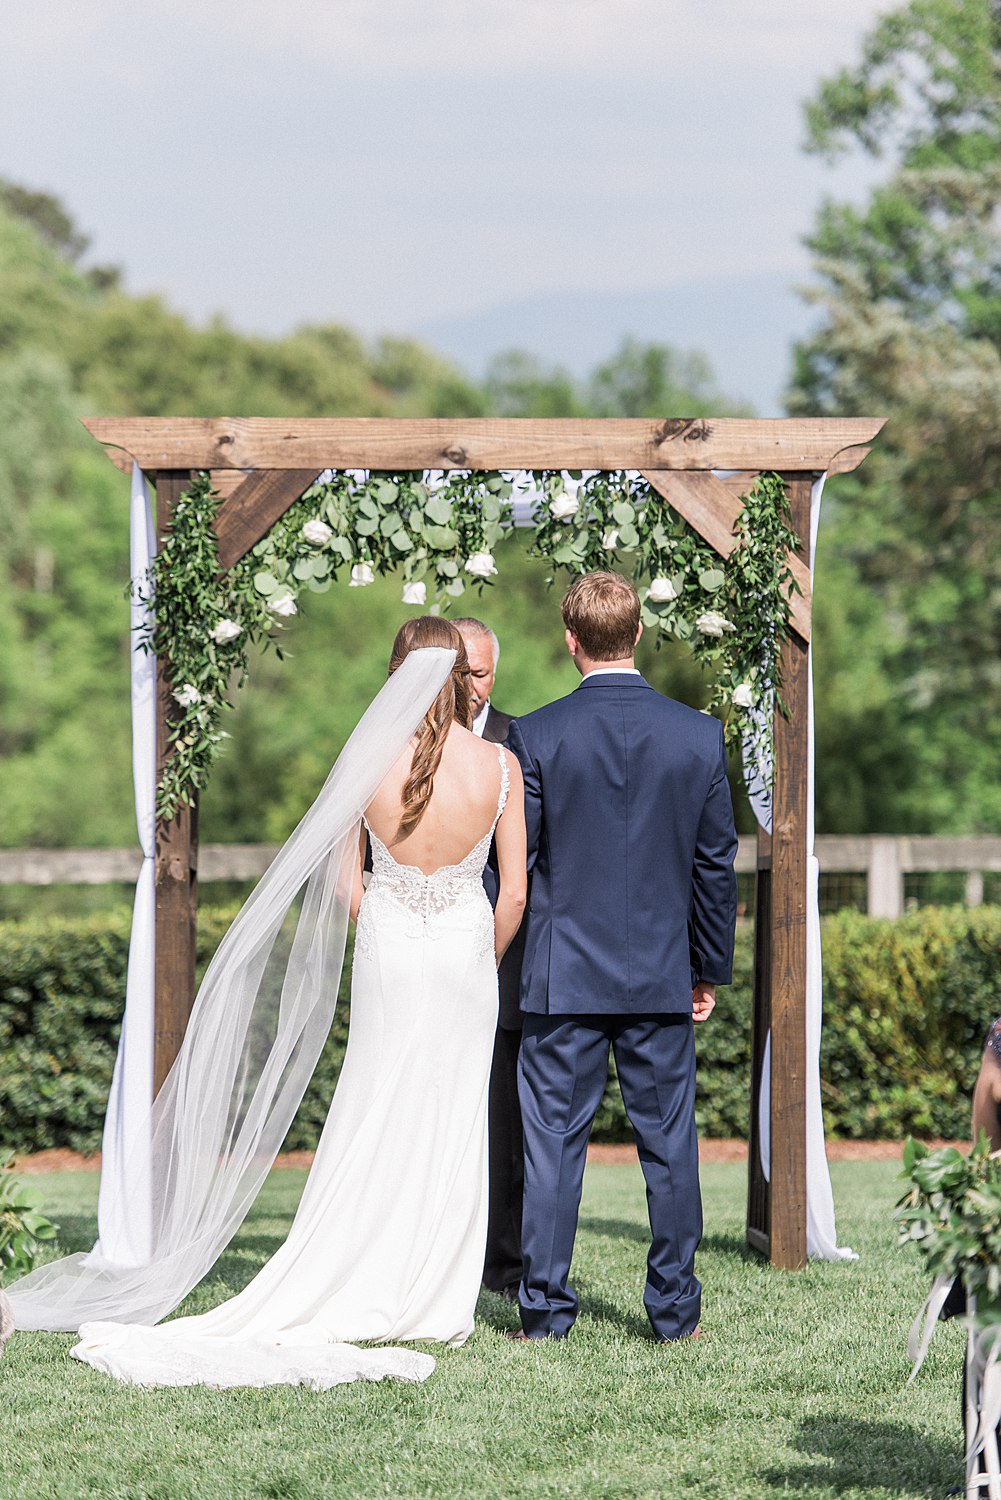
point(123, 1210)
point(821, 1234)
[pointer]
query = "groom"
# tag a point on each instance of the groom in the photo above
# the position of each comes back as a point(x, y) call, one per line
point(630, 928)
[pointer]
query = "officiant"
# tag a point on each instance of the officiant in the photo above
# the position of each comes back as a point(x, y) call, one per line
point(502, 1265)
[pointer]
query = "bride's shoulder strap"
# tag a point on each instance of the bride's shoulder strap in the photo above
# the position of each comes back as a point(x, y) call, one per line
point(505, 781)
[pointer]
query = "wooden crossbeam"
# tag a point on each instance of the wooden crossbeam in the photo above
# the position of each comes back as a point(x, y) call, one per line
point(254, 507)
point(799, 444)
point(712, 507)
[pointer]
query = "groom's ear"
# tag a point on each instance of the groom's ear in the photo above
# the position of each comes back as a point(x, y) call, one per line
point(639, 632)
point(573, 645)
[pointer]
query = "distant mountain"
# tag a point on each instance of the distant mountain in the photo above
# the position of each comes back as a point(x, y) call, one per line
point(746, 326)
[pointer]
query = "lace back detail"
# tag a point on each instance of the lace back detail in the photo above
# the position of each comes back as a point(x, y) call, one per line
point(425, 897)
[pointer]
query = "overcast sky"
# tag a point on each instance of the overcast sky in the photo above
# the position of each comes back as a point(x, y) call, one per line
point(392, 166)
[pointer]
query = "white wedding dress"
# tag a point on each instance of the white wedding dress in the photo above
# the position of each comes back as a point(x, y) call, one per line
point(388, 1240)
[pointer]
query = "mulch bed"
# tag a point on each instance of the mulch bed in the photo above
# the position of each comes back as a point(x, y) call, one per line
point(709, 1151)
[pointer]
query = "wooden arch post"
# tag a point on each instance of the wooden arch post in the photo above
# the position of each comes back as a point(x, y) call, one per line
point(702, 466)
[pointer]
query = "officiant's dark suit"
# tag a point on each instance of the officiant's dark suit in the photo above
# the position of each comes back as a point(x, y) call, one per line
point(631, 843)
point(502, 1263)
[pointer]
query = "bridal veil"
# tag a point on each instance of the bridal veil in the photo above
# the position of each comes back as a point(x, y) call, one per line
point(259, 1023)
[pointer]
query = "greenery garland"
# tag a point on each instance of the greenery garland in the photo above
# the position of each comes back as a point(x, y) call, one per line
point(440, 532)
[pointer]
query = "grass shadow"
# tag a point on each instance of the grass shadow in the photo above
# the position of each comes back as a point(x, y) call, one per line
point(733, 1244)
point(594, 1305)
point(869, 1455)
point(730, 1243)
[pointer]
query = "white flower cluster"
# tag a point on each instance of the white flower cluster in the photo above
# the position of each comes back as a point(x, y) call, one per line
point(661, 591)
point(564, 507)
point(317, 533)
point(283, 605)
point(712, 623)
point(481, 565)
point(743, 696)
point(187, 695)
point(362, 574)
point(226, 630)
point(415, 593)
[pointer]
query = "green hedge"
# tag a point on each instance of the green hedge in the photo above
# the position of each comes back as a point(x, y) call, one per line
point(907, 1004)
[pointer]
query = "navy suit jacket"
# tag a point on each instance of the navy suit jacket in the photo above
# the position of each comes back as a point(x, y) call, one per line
point(631, 843)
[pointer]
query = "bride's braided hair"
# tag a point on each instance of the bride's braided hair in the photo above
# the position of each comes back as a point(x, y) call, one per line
point(452, 703)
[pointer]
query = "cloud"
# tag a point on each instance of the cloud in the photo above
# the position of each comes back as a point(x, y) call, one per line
point(546, 39)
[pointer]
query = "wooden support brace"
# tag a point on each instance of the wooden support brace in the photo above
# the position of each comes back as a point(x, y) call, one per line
point(250, 511)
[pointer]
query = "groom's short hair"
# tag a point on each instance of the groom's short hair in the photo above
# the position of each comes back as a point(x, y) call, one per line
point(603, 611)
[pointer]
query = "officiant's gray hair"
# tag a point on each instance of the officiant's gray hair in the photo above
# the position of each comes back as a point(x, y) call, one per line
point(477, 627)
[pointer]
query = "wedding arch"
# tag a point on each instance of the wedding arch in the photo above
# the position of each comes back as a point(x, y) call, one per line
point(248, 475)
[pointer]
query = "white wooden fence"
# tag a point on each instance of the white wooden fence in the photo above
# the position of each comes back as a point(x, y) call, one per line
point(883, 859)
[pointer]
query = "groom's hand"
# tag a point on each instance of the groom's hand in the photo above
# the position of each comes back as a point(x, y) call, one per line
point(703, 1001)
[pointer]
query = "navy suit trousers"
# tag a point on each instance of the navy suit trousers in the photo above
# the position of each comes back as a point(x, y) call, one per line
point(563, 1068)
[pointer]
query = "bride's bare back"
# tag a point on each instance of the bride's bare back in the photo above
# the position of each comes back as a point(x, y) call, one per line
point(461, 808)
point(459, 813)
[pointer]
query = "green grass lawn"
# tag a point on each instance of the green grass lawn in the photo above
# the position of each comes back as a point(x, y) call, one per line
point(798, 1387)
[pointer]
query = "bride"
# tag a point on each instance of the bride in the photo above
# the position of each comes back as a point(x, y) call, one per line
point(388, 1240)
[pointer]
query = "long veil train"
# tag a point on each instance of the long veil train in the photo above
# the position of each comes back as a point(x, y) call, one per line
point(258, 1026)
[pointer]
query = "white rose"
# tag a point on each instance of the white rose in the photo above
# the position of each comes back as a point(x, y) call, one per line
point(283, 605)
point(481, 565)
point(187, 695)
point(610, 540)
point(415, 593)
point(316, 533)
point(361, 574)
point(226, 630)
point(743, 697)
point(712, 623)
point(661, 591)
point(564, 507)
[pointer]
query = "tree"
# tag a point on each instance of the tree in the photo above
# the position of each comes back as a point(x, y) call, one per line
point(909, 287)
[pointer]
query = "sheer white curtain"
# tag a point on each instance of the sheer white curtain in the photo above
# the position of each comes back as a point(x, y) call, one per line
point(123, 1211)
point(821, 1233)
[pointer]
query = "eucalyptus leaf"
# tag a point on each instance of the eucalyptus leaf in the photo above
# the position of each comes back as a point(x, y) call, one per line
point(628, 537)
point(712, 579)
point(319, 585)
point(401, 541)
point(442, 537)
point(265, 583)
point(303, 568)
point(623, 512)
point(391, 523)
point(438, 510)
point(455, 588)
point(366, 525)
